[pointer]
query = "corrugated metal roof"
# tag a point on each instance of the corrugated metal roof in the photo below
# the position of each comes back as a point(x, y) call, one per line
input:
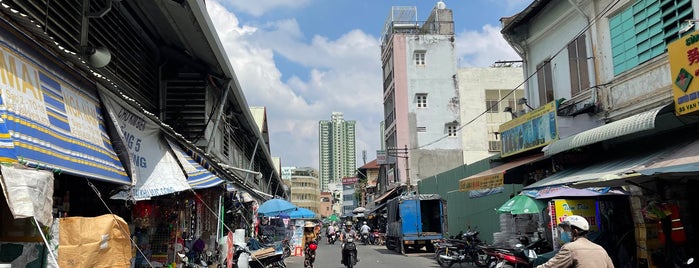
point(632, 124)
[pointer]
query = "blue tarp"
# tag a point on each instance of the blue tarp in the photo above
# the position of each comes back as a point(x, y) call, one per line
point(197, 176)
point(51, 124)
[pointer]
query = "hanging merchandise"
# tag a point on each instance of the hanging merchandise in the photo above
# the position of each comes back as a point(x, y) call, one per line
point(666, 214)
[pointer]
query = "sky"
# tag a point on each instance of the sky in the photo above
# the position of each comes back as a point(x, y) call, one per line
point(304, 59)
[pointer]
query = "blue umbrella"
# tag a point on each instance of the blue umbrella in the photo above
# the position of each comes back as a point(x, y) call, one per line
point(302, 213)
point(275, 206)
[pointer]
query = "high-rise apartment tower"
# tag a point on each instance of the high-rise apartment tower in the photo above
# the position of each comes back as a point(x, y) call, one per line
point(337, 151)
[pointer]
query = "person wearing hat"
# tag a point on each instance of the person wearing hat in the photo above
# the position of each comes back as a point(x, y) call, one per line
point(309, 243)
point(348, 232)
point(578, 251)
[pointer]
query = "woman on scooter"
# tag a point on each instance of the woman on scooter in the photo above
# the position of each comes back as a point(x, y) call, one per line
point(309, 244)
point(577, 250)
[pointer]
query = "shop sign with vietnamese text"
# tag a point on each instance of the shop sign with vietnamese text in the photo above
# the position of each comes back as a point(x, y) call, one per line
point(532, 130)
point(684, 68)
point(483, 182)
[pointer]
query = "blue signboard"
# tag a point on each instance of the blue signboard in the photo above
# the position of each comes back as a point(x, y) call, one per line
point(49, 123)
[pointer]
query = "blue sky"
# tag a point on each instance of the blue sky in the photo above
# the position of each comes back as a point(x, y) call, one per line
point(304, 59)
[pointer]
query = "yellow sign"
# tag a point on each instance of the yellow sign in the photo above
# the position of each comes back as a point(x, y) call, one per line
point(531, 130)
point(581, 207)
point(684, 69)
point(483, 182)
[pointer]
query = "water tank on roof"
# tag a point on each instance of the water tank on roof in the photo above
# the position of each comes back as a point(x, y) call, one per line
point(441, 5)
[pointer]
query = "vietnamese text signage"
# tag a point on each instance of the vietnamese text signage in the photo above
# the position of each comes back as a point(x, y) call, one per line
point(684, 68)
point(48, 122)
point(532, 130)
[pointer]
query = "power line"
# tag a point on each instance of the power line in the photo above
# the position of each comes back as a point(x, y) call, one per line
point(587, 27)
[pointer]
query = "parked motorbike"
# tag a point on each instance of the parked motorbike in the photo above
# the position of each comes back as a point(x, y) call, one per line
point(349, 253)
point(467, 250)
point(374, 237)
point(521, 256)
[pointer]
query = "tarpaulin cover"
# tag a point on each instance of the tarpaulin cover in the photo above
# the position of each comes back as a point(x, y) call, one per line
point(101, 241)
point(48, 122)
point(29, 193)
point(154, 167)
point(197, 176)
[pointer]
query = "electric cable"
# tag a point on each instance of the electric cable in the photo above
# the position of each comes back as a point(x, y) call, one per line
point(587, 27)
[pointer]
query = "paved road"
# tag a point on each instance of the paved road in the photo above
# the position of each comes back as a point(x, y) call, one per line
point(328, 256)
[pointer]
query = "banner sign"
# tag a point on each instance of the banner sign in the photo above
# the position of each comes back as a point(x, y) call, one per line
point(381, 157)
point(48, 123)
point(349, 180)
point(197, 176)
point(154, 167)
point(483, 182)
point(684, 68)
point(581, 207)
point(531, 130)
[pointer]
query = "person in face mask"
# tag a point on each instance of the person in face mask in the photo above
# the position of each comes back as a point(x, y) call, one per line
point(577, 250)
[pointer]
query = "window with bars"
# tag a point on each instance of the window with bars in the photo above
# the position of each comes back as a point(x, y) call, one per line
point(577, 62)
point(421, 100)
point(419, 57)
point(643, 30)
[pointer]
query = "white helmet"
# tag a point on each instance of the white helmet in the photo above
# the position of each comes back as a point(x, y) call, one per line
point(576, 221)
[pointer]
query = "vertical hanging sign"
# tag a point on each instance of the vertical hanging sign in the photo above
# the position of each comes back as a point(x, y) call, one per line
point(154, 167)
point(684, 69)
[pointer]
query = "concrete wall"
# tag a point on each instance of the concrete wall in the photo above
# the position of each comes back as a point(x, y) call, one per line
point(473, 82)
point(616, 95)
point(462, 211)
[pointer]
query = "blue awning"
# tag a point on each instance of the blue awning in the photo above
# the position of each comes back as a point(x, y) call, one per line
point(197, 176)
point(49, 123)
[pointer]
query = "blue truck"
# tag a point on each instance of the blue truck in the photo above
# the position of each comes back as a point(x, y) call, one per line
point(415, 221)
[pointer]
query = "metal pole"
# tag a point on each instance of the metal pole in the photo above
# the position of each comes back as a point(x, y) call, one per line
point(407, 169)
point(220, 114)
point(252, 160)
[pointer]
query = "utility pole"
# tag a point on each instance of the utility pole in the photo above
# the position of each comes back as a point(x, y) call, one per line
point(402, 153)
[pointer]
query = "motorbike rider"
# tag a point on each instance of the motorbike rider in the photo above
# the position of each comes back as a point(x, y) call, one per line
point(330, 231)
point(578, 251)
point(347, 233)
point(365, 229)
point(309, 236)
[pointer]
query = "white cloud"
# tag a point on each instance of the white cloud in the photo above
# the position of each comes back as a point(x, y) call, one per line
point(344, 75)
point(260, 7)
point(483, 48)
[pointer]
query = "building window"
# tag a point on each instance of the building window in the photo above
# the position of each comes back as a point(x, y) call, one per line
point(494, 146)
point(420, 58)
point(643, 30)
point(545, 81)
point(421, 99)
point(451, 129)
point(492, 106)
point(577, 61)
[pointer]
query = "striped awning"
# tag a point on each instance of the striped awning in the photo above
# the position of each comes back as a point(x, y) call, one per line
point(632, 124)
point(197, 176)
